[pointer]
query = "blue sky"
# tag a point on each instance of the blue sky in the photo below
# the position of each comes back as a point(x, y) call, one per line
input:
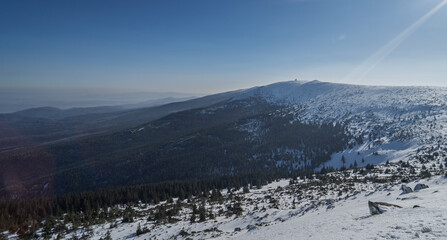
point(211, 46)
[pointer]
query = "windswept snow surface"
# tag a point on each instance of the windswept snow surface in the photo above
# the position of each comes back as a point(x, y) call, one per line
point(350, 218)
point(332, 99)
point(361, 155)
point(362, 107)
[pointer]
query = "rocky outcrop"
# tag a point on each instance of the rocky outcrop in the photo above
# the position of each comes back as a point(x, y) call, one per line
point(376, 208)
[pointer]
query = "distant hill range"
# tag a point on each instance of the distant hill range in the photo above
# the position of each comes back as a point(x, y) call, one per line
point(274, 129)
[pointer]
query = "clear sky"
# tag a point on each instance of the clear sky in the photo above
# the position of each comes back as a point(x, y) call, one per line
point(207, 46)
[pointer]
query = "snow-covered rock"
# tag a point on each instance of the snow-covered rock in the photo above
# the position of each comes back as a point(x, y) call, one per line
point(376, 208)
point(405, 189)
point(420, 186)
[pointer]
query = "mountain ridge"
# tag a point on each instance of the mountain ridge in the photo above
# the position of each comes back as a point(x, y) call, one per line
point(271, 124)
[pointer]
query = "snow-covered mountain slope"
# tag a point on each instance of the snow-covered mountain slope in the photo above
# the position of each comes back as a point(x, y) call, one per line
point(328, 206)
point(389, 121)
point(350, 218)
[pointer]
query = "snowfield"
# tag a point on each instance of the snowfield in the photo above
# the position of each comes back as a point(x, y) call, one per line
point(350, 218)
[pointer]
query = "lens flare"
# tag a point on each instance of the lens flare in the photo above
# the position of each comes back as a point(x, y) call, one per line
point(370, 63)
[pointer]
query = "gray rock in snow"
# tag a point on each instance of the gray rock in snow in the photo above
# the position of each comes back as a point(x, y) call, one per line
point(252, 228)
point(330, 203)
point(420, 186)
point(376, 208)
point(406, 189)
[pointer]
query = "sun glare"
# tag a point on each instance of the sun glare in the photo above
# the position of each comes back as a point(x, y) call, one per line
point(360, 72)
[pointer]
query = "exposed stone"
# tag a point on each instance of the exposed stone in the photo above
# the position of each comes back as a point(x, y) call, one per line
point(420, 186)
point(376, 208)
point(405, 189)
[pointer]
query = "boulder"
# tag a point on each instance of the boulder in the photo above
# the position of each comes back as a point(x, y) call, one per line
point(376, 208)
point(251, 228)
point(420, 186)
point(405, 189)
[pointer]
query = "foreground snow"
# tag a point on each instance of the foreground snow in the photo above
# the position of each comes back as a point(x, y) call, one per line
point(335, 207)
point(350, 218)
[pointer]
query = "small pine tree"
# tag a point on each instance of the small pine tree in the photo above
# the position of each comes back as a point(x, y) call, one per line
point(202, 214)
point(194, 209)
point(139, 231)
point(193, 218)
point(211, 214)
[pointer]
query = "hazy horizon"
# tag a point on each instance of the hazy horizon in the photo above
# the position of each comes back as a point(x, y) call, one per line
point(17, 99)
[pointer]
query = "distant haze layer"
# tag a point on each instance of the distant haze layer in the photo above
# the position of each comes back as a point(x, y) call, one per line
point(16, 99)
